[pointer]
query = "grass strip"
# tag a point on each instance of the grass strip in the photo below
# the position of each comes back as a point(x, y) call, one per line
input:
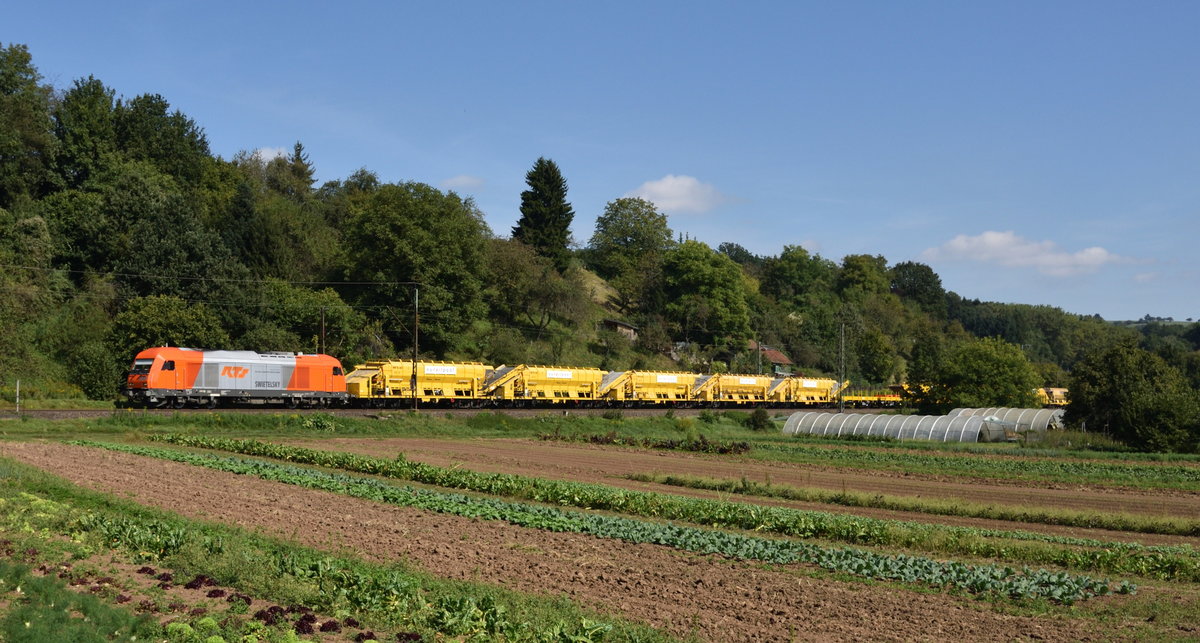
point(1057, 444)
point(390, 596)
point(1117, 522)
point(1138, 476)
point(978, 579)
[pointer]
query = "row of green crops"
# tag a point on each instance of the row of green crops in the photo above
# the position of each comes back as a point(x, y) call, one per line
point(1180, 563)
point(319, 581)
point(949, 507)
point(42, 608)
point(980, 579)
point(1069, 471)
point(700, 444)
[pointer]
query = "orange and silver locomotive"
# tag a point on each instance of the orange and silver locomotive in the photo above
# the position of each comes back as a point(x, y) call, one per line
point(179, 377)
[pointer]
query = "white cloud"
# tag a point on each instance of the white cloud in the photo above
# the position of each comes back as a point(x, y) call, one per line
point(1007, 249)
point(1145, 277)
point(462, 182)
point(268, 154)
point(679, 193)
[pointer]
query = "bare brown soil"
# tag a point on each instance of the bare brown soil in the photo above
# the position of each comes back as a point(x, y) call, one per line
point(610, 465)
point(707, 596)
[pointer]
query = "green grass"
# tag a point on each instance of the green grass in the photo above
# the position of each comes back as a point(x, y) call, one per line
point(1038, 515)
point(972, 466)
point(385, 596)
point(54, 403)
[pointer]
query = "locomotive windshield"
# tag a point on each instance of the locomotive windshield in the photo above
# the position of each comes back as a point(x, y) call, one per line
point(141, 366)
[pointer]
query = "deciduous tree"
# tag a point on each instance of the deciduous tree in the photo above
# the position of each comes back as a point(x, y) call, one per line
point(27, 142)
point(918, 283)
point(706, 294)
point(979, 373)
point(1136, 397)
point(412, 232)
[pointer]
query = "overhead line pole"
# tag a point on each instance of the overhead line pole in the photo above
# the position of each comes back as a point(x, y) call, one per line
point(416, 329)
point(842, 369)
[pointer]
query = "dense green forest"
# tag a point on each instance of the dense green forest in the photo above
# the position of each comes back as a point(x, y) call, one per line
point(120, 229)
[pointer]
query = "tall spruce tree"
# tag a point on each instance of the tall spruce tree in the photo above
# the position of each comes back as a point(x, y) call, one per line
point(546, 216)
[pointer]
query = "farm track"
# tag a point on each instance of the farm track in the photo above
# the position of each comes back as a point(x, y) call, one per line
point(610, 465)
point(713, 598)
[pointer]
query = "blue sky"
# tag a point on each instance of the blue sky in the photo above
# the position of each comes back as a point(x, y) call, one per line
point(1030, 152)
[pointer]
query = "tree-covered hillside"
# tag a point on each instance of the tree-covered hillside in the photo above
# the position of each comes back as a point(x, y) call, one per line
point(119, 229)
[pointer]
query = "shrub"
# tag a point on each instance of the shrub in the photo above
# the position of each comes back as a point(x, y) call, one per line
point(760, 420)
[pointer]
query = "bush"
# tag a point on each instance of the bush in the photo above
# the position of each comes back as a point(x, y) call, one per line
point(96, 371)
point(760, 420)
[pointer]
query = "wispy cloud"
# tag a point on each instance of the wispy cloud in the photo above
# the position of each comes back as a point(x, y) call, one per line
point(462, 182)
point(679, 194)
point(1008, 249)
point(267, 154)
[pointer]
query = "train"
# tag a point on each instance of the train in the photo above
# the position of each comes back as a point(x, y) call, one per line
point(178, 377)
point(173, 377)
point(186, 377)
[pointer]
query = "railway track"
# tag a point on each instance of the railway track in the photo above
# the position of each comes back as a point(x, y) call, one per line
point(72, 414)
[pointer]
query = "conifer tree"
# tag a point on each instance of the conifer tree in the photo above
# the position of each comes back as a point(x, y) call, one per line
point(546, 215)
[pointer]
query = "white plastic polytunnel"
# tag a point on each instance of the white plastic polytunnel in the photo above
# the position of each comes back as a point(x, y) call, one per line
point(941, 428)
point(1018, 420)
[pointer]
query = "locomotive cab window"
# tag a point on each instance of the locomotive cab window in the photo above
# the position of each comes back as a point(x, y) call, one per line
point(337, 370)
point(141, 366)
point(169, 365)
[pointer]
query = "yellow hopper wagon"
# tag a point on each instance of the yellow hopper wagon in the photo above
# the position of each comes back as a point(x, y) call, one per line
point(740, 390)
point(390, 383)
point(652, 388)
point(524, 385)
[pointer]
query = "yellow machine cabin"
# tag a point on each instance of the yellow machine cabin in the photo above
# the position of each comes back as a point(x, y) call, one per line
point(815, 391)
point(1052, 397)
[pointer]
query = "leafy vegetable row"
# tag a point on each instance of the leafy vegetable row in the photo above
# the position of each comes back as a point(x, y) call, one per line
point(981, 579)
point(947, 507)
point(327, 583)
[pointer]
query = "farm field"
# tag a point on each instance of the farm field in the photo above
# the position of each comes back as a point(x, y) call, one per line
point(600, 556)
point(611, 466)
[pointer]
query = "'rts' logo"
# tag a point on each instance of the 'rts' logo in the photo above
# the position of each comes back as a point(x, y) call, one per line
point(236, 372)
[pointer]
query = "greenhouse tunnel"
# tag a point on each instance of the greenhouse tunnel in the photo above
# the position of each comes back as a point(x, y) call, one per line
point(940, 428)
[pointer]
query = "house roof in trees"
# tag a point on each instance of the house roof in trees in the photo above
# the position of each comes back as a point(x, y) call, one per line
point(772, 355)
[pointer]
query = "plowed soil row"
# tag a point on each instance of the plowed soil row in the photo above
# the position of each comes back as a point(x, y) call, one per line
point(610, 465)
point(714, 598)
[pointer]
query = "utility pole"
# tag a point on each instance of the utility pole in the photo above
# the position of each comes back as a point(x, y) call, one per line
point(416, 327)
point(842, 368)
point(18, 397)
point(321, 348)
